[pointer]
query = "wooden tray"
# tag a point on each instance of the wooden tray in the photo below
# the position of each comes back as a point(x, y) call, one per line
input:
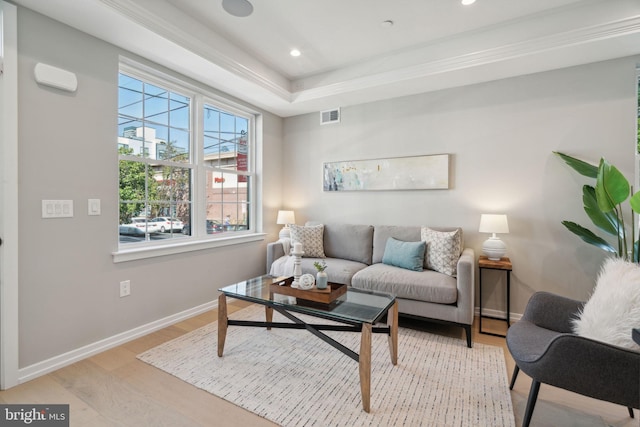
point(324, 296)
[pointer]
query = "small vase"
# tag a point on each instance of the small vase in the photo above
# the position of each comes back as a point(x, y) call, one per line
point(321, 280)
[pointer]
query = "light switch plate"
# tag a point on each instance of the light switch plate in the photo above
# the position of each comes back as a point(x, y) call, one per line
point(94, 207)
point(57, 209)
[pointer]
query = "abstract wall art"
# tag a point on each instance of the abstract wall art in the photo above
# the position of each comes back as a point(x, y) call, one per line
point(428, 172)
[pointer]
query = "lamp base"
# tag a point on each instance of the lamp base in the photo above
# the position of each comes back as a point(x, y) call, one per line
point(494, 248)
point(285, 233)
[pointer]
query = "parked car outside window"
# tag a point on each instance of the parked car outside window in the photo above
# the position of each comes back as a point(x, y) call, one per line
point(166, 224)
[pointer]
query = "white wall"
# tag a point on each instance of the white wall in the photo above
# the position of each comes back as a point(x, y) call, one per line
point(68, 289)
point(501, 136)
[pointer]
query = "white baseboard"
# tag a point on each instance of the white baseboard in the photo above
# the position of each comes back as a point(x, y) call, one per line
point(498, 313)
point(41, 368)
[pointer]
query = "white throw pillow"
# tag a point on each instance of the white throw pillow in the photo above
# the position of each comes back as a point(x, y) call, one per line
point(311, 237)
point(614, 307)
point(443, 249)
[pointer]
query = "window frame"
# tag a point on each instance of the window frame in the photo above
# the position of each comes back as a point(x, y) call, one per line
point(199, 239)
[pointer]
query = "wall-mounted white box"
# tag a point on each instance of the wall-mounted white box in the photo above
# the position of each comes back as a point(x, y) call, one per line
point(57, 209)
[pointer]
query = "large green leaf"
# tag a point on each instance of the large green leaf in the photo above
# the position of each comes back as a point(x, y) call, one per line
point(588, 236)
point(634, 201)
point(605, 221)
point(583, 168)
point(612, 188)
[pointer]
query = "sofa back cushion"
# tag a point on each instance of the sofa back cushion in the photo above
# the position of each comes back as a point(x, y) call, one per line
point(406, 233)
point(349, 241)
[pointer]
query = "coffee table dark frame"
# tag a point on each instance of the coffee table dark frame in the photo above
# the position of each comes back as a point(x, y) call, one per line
point(366, 329)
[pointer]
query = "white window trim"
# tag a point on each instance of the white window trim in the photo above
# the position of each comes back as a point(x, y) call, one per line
point(132, 254)
point(200, 240)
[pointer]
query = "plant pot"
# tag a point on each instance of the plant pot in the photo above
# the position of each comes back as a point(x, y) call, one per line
point(321, 280)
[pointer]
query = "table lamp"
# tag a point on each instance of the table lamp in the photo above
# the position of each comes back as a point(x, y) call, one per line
point(493, 247)
point(285, 218)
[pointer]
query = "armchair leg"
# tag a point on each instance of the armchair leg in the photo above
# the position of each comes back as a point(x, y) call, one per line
point(513, 377)
point(631, 412)
point(531, 402)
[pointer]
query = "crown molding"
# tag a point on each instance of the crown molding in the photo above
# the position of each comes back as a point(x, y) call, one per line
point(158, 31)
point(168, 30)
point(616, 29)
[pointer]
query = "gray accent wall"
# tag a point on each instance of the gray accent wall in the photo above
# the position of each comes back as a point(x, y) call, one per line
point(69, 285)
point(500, 136)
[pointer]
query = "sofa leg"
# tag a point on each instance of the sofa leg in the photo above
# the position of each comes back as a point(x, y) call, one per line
point(514, 376)
point(631, 412)
point(531, 402)
point(467, 329)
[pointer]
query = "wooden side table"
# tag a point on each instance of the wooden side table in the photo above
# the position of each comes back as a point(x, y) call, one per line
point(503, 264)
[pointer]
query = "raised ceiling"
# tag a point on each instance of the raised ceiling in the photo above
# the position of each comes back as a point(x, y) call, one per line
point(348, 57)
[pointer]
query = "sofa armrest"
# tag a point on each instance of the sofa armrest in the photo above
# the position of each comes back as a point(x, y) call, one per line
point(552, 311)
point(466, 285)
point(274, 251)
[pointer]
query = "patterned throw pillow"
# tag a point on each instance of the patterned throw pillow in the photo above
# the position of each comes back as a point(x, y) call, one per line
point(311, 237)
point(443, 249)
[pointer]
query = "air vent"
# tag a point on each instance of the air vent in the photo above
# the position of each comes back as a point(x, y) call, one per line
point(330, 116)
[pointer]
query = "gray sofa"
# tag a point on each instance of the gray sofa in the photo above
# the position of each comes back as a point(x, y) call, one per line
point(354, 257)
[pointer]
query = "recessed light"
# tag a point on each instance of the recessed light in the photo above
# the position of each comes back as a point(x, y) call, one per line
point(387, 24)
point(295, 53)
point(468, 2)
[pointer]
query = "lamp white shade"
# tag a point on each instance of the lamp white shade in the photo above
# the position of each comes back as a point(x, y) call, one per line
point(493, 247)
point(285, 218)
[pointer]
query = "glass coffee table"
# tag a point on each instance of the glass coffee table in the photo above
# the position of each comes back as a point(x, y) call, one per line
point(357, 310)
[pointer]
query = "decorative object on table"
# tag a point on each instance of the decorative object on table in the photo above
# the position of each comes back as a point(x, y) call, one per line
point(297, 252)
point(494, 248)
point(603, 205)
point(323, 296)
point(321, 277)
point(398, 173)
point(306, 281)
point(285, 218)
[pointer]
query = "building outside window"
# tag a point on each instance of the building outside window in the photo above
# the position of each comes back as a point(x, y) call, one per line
point(185, 163)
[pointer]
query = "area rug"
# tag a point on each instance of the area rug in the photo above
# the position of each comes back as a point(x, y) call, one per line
point(295, 379)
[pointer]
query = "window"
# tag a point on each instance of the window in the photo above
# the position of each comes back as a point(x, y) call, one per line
point(185, 163)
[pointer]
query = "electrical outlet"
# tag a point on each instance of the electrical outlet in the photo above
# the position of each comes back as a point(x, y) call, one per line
point(125, 288)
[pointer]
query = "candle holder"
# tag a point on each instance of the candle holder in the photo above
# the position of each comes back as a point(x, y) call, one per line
point(297, 268)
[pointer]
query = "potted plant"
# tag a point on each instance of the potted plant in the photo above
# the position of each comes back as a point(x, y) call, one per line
point(321, 277)
point(603, 205)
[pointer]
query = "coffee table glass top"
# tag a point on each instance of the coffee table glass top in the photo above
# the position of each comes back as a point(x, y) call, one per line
point(356, 305)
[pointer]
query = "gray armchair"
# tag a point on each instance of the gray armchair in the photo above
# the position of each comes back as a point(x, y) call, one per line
point(544, 347)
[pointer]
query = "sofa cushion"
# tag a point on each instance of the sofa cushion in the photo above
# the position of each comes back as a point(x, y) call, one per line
point(311, 237)
point(427, 285)
point(382, 233)
point(443, 250)
point(349, 241)
point(409, 255)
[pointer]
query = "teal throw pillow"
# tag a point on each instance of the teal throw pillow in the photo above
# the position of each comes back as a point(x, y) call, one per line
point(409, 255)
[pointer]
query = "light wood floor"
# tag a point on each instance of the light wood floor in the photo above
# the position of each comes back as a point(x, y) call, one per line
point(115, 389)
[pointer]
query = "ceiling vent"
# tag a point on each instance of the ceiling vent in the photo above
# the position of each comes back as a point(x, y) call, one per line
point(330, 116)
